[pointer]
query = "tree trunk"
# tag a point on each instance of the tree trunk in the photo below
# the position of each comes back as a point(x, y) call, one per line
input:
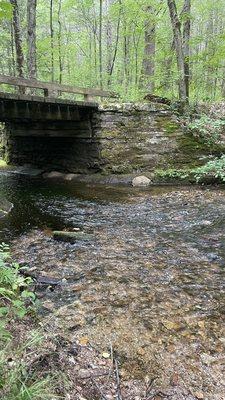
point(116, 45)
point(126, 49)
point(52, 40)
point(176, 25)
point(186, 42)
point(31, 39)
point(148, 67)
point(109, 38)
point(59, 42)
point(100, 43)
point(18, 39)
point(12, 49)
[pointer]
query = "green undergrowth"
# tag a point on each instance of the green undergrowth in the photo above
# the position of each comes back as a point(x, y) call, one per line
point(172, 174)
point(17, 382)
point(212, 169)
point(2, 163)
point(211, 172)
point(207, 129)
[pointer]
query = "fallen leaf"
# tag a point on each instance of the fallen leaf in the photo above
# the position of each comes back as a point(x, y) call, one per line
point(171, 325)
point(175, 379)
point(83, 341)
point(201, 324)
point(105, 355)
point(141, 351)
point(199, 395)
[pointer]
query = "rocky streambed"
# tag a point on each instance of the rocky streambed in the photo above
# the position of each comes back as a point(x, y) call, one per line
point(149, 283)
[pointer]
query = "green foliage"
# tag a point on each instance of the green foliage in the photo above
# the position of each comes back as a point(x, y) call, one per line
point(207, 129)
point(13, 287)
point(5, 10)
point(16, 383)
point(214, 169)
point(172, 174)
point(76, 37)
point(2, 163)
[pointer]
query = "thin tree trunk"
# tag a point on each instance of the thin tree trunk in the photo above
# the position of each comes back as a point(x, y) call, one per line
point(186, 42)
point(31, 39)
point(148, 67)
point(116, 44)
point(176, 25)
point(52, 41)
point(59, 42)
point(100, 43)
point(18, 39)
point(136, 40)
point(12, 49)
point(125, 77)
point(109, 38)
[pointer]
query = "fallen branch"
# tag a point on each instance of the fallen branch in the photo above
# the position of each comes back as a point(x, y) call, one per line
point(119, 396)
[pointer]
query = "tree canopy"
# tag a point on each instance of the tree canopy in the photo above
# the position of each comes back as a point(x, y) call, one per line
point(132, 47)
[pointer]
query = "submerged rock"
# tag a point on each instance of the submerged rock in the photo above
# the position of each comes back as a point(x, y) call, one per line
point(141, 181)
point(27, 170)
point(53, 175)
point(70, 177)
point(5, 208)
point(71, 237)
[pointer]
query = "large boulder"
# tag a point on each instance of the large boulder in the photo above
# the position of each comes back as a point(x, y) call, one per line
point(141, 181)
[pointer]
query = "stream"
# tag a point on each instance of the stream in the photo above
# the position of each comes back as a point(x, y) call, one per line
point(151, 281)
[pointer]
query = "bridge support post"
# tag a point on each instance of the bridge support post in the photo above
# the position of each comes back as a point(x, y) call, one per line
point(50, 93)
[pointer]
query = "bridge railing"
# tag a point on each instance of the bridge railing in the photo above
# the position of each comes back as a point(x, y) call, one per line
point(53, 89)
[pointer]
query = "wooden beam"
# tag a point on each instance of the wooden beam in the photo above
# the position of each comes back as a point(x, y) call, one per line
point(39, 99)
point(51, 87)
point(73, 133)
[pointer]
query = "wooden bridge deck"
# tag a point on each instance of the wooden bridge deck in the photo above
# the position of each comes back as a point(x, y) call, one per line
point(25, 107)
point(48, 100)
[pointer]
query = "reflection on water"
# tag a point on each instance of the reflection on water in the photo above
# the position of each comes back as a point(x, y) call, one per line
point(151, 281)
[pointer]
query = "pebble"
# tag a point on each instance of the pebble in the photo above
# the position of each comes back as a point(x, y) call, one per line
point(199, 395)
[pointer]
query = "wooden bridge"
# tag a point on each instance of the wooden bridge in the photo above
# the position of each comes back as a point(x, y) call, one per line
point(48, 130)
point(50, 114)
point(23, 106)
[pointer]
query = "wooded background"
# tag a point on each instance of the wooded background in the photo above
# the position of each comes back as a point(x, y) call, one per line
point(132, 47)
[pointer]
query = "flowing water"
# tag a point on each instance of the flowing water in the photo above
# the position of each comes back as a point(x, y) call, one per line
point(151, 281)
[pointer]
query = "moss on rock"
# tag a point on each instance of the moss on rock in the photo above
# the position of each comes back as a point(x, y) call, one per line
point(169, 126)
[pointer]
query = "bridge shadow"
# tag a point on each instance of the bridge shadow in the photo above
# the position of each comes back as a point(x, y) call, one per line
point(54, 135)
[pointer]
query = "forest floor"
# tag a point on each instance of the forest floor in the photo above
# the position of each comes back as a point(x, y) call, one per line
point(80, 371)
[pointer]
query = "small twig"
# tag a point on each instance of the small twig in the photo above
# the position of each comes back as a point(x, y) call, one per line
point(94, 376)
point(99, 389)
point(119, 396)
point(149, 387)
point(117, 375)
point(111, 368)
point(159, 393)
